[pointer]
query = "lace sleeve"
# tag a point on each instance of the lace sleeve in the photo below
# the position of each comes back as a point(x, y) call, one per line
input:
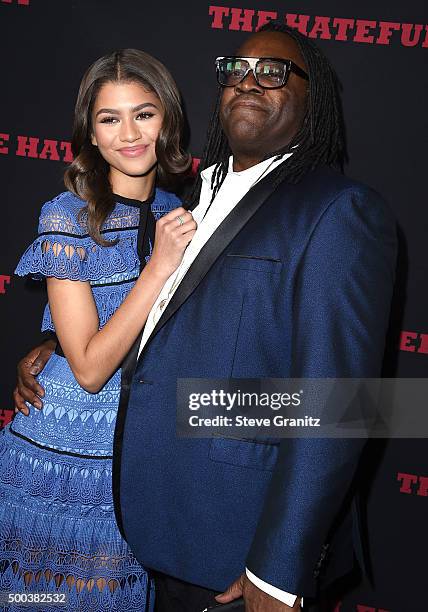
point(63, 249)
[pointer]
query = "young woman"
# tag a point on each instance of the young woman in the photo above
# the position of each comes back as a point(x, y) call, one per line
point(58, 536)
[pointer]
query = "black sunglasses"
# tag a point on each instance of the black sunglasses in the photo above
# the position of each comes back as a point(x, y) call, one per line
point(269, 72)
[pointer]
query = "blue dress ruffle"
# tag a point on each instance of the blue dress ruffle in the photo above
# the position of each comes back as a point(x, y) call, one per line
point(57, 528)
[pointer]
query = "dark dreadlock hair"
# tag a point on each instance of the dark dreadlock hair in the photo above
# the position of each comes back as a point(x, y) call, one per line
point(320, 138)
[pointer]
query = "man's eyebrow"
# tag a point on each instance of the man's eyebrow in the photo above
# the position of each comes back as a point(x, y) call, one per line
point(114, 111)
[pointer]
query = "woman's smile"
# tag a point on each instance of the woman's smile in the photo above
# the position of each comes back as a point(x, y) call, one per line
point(135, 151)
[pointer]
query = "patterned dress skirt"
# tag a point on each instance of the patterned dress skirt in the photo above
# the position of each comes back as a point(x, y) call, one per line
point(60, 548)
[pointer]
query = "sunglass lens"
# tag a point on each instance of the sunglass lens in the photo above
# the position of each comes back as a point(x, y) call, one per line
point(231, 71)
point(270, 73)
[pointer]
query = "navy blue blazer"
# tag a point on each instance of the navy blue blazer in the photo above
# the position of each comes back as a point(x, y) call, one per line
point(296, 282)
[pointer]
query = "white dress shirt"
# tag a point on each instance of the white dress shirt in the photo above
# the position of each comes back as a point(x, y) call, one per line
point(233, 189)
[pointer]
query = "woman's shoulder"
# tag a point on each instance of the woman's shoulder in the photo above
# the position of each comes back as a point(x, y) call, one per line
point(164, 202)
point(61, 214)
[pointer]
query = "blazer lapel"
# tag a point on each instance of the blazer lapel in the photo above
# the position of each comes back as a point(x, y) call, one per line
point(213, 248)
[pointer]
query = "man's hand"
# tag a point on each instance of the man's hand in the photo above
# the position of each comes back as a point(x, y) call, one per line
point(27, 389)
point(255, 599)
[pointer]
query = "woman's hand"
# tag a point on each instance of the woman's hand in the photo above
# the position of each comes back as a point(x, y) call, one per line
point(174, 231)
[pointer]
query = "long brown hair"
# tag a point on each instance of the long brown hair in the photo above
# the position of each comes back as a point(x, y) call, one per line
point(88, 175)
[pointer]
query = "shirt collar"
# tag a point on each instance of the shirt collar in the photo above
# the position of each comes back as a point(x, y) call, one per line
point(135, 203)
point(249, 173)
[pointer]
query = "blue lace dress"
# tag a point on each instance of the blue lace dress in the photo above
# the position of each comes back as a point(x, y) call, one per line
point(57, 528)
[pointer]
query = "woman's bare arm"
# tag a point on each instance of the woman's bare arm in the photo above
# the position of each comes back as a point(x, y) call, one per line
point(93, 354)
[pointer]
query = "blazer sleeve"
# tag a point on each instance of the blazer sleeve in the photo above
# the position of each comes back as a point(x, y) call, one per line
point(341, 309)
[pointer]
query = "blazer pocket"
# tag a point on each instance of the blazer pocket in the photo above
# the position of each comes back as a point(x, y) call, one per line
point(246, 453)
point(256, 263)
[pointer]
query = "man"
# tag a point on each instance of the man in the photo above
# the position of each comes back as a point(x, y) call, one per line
point(290, 274)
